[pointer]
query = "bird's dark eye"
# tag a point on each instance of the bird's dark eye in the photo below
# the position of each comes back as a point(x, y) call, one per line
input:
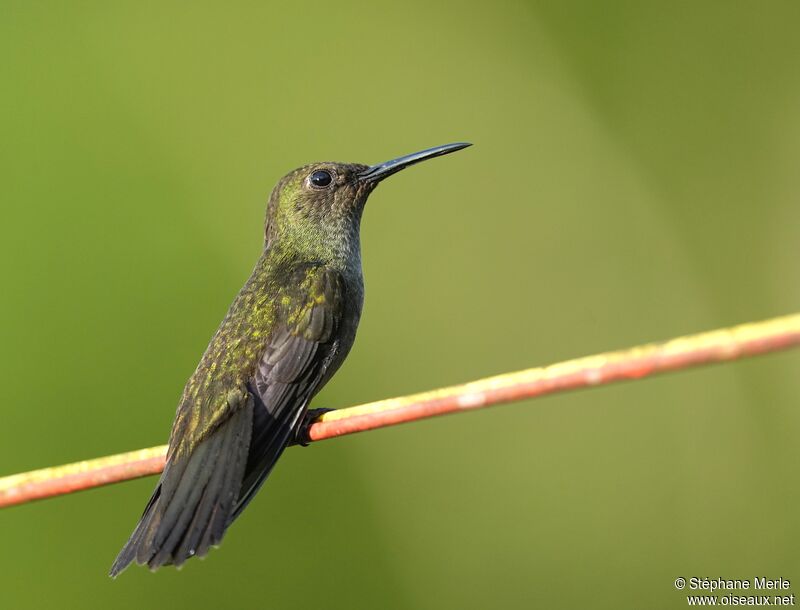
point(321, 178)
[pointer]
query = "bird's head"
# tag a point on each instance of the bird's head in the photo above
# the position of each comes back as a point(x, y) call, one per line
point(318, 207)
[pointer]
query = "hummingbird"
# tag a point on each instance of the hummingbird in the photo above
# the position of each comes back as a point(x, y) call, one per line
point(286, 333)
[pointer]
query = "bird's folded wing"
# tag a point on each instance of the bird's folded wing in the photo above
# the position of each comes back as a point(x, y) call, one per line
point(290, 371)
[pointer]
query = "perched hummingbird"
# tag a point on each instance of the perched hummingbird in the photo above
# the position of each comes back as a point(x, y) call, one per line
point(286, 333)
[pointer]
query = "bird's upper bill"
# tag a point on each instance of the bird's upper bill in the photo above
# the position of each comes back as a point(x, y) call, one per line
point(376, 173)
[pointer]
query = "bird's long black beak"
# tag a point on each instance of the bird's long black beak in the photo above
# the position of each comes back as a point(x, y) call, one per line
point(376, 173)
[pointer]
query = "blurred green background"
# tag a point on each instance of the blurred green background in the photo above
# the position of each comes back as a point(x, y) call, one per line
point(634, 177)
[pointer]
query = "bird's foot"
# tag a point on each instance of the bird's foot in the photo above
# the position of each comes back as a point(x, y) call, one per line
point(301, 436)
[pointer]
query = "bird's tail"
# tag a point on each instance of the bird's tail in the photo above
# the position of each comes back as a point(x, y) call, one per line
point(193, 504)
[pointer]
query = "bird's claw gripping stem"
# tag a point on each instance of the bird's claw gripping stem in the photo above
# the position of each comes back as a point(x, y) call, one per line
point(301, 436)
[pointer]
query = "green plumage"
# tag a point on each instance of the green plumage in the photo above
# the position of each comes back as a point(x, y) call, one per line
point(284, 336)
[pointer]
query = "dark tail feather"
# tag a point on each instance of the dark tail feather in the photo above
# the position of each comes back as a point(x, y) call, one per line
point(128, 552)
point(192, 506)
point(201, 494)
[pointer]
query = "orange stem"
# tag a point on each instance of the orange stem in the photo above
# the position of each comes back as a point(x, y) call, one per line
point(681, 353)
